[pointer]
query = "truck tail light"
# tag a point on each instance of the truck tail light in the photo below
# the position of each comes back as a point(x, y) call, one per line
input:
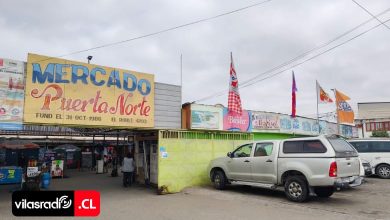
point(333, 169)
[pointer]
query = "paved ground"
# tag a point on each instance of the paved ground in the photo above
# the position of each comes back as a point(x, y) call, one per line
point(370, 201)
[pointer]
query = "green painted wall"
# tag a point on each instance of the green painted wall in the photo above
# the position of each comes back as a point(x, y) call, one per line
point(189, 154)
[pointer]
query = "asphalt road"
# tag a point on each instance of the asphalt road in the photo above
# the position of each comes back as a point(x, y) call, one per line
point(369, 201)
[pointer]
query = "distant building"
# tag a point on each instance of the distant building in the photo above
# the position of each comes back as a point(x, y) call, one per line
point(373, 116)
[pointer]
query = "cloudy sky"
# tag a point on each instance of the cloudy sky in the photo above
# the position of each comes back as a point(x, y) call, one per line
point(261, 38)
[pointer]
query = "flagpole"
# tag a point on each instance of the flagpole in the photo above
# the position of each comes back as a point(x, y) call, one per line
point(318, 115)
point(337, 114)
point(181, 71)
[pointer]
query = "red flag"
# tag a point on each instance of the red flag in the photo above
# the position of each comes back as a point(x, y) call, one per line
point(234, 100)
point(294, 97)
point(322, 96)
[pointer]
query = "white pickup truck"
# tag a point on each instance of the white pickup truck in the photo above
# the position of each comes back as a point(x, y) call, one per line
point(301, 165)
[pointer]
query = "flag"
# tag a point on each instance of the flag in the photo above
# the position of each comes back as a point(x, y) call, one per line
point(234, 100)
point(344, 111)
point(322, 96)
point(294, 97)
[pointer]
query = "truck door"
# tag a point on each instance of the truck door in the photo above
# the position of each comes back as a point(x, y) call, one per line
point(264, 163)
point(239, 165)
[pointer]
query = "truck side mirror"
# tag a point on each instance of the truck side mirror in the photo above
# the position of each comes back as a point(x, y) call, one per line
point(229, 154)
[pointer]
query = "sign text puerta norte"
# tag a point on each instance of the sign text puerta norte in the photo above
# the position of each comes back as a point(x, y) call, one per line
point(66, 92)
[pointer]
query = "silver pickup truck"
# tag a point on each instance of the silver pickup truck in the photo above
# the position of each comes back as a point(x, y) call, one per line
point(303, 166)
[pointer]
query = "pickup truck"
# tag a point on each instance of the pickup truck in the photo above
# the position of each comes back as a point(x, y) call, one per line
point(300, 166)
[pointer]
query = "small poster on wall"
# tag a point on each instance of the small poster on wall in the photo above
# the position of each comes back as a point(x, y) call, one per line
point(57, 168)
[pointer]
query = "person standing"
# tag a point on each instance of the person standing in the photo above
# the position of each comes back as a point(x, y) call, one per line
point(128, 169)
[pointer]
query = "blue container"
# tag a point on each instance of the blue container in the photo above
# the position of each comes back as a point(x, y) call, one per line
point(46, 180)
point(10, 175)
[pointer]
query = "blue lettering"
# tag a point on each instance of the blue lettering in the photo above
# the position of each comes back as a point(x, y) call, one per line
point(60, 73)
point(147, 87)
point(47, 75)
point(126, 77)
point(114, 79)
point(82, 77)
point(93, 76)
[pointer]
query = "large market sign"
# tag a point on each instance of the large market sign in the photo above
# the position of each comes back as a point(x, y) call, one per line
point(66, 92)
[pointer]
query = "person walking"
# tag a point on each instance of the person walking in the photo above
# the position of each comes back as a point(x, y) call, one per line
point(128, 169)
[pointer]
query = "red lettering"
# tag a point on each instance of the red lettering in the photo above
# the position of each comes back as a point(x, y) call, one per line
point(54, 92)
point(103, 107)
point(48, 97)
point(95, 101)
point(76, 104)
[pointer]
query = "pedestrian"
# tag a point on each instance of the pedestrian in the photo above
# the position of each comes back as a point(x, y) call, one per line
point(128, 169)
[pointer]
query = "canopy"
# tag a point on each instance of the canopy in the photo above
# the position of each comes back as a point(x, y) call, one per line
point(67, 147)
point(18, 144)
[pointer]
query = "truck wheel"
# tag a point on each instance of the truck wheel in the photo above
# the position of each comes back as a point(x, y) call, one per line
point(219, 180)
point(383, 171)
point(324, 192)
point(296, 189)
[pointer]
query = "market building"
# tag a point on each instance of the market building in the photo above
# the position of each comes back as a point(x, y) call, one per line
point(106, 112)
point(373, 116)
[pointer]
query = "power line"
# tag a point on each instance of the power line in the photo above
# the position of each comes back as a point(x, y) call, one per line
point(314, 49)
point(159, 32)
point(169, 29)
point(315, 56)
point(371, 14)
point(251, 82)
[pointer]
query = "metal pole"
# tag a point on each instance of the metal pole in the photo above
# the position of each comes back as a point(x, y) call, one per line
point(318, 116)
point(337, 115)
point(181, 71)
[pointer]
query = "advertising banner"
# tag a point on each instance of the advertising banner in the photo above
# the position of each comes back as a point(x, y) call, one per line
point(67, 92)
point(235, 122)
point(332, 128)
point(57, 168)
point(11, 94)
point(303, 126)
point(265, 121)
point(206, 117)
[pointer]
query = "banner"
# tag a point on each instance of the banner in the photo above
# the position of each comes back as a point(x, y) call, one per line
point(67, 92)
point(344, 111)
point(11, 94)
point(57, 168)
point(235, 122)
point(265, 121)
point(206, 117)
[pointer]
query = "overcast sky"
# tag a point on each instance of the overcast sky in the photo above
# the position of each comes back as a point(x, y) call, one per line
point(260, 38)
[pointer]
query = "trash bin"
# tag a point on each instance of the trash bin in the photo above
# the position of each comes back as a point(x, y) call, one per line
point(46, 180)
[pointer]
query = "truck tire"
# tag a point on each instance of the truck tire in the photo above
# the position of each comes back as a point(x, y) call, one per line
point(219, 180)
point(324, 192)
point(383, 171)
point(296, 189)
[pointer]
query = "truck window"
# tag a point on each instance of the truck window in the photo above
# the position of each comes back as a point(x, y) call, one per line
point(340, 145)
point(293, 147)
point(310, 146)
point(342, 148)
point(243, 151)
point(313, 147)
point(263, 149)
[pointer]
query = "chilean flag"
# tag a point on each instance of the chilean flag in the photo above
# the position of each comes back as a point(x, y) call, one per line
point(294, 97)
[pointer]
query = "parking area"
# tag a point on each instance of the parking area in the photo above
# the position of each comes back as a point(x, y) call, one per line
point(370, 201)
